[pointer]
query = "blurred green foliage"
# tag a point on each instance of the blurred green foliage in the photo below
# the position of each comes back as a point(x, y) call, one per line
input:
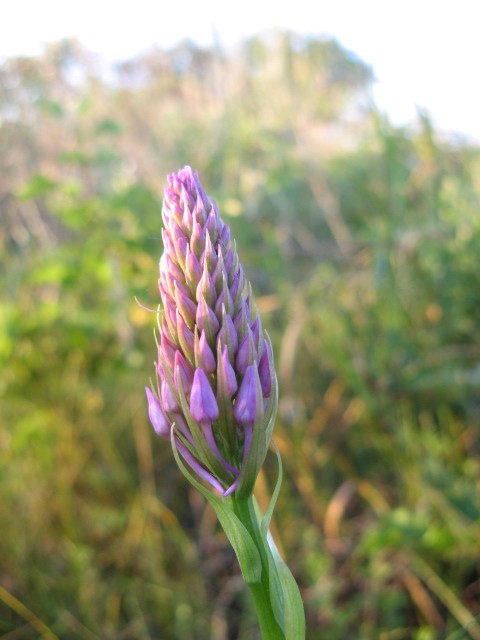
point(362, 243)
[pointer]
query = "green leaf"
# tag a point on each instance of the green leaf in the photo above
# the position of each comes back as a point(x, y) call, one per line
point(294, 613)
point(291, 617)
point(268, 596)
point(277, 596)
point(277, 599)
point(238, 536)
point(269, 512)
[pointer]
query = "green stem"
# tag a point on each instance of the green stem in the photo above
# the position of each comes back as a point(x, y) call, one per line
point(261, 591)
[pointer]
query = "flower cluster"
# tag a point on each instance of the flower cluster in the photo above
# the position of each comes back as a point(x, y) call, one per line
point(216, 393)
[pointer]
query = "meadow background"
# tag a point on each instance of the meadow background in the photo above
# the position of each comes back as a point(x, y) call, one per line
point(362, 242)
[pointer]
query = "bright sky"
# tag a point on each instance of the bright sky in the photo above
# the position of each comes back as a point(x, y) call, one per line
point(424, 53)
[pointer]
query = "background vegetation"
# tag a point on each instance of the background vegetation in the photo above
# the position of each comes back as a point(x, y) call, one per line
point(362, 242)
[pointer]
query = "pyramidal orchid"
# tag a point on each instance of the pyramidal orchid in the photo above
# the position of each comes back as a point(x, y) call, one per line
point(216, 378)
point(216, 395)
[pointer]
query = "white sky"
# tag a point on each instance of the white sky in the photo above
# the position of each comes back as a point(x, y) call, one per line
point(424, 53)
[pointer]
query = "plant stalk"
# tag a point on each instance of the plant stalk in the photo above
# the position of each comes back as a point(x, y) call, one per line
point(261, 591)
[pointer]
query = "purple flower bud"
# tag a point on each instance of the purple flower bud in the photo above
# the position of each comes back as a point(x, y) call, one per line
point(264, 372)
point(246, 353)
point(241, 323)
point(185, 305)
point(224, 300)
point(197, 241)
point(183, 373)
point(168, 348)
point(217, 275)
point(204, 358)
point(228, 335)
point(212, 224)
point(170, 317)
point(156, 415)
point(225, 235)
point(169, 402)
point(206, 320)
point(209, 256)
point(206, 288)
point(174, 270)
point(175, 247)
point(198, 211)
point(228, 260)
point(181, 246)
point(236, 289)
point(185, 337)
point(257, 335)
point(226, 378)
point(245, 408)
point(203, 405)
point(193, 270)
point(216, 374)
point(186, 195)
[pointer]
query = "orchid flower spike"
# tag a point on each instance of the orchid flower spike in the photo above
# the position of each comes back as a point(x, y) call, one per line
point(216, 382)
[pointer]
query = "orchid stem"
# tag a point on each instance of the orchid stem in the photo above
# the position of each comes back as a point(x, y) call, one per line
point(261, 591)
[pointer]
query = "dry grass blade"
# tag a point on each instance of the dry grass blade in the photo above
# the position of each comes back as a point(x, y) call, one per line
point(26, 614)
point(447, 596)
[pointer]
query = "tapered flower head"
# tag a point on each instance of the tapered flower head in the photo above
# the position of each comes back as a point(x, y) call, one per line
point(216, 382)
